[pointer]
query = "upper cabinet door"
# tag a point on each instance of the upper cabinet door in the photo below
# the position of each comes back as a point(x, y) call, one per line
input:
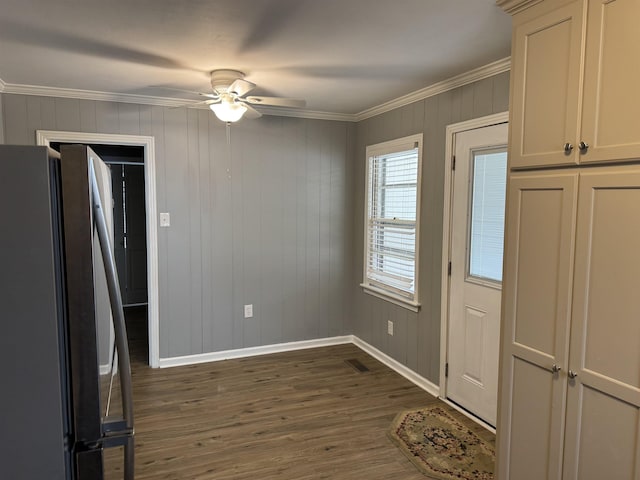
point(547, 57)
point(611, 99)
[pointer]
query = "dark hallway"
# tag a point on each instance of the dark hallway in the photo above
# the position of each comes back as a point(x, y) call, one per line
point(137, 332)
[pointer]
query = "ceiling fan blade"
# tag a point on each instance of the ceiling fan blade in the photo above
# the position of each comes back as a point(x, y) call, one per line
point(205, 102)
point(210, 95)
point(241, 87)
point(277, 101)
point(251, 112)
point(197, 104)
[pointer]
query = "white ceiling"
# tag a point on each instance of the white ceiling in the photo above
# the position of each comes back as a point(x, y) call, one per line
point(342, 56)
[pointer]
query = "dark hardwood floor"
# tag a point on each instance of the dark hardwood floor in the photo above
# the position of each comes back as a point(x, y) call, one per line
point(298, 415)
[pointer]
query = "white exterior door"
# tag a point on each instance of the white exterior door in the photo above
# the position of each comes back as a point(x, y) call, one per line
point(476, 250)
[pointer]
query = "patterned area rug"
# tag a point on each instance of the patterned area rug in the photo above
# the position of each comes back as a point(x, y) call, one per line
point(442, 444)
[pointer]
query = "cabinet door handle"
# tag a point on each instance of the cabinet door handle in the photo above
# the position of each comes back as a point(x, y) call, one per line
point(555, 368)
point(567, 148)
point(572, 374)
point(583, 147)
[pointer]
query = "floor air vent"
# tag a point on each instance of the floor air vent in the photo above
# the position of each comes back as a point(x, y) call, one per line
point(357, 365)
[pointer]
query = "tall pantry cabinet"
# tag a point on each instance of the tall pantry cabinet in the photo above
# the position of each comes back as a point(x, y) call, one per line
point(569, 402)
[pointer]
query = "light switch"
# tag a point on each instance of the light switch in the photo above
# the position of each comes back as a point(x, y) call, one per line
point(248, 311)
point(165, 220)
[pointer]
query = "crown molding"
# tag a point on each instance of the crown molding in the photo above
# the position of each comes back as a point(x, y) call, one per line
point(471, 76)
point(311, 114)
point(93, 95)
point(515, 6)
point(158, 101)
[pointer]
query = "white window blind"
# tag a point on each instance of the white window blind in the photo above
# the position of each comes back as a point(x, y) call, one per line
point(487, 214)
point(392, 214)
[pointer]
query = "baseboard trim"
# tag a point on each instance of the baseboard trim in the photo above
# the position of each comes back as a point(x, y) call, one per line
point(398, 367)
point(252, 351)
point(382, 357)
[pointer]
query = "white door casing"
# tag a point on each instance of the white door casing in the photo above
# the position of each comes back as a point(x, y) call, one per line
point(474, 292)
point(46, 137)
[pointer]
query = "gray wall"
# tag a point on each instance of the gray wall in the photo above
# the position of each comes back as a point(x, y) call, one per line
point(268, 225)
point(285, 231)
point(1, 120)
point(416, 339)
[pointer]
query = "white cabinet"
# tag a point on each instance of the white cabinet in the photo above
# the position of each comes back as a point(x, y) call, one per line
point(535, 324)
point(575, 66)
point(603, 401)
point(570, 372)
point(611, 99)
point(569, 393)
point(545, 77)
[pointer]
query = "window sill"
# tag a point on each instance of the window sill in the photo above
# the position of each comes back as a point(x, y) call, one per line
point(389, 297)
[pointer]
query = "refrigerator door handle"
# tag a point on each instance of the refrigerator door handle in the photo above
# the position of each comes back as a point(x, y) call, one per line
point(115, 299)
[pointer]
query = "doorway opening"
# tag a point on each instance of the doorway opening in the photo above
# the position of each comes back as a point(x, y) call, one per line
point(473, 237)
point(132, 162)
point(126, 163)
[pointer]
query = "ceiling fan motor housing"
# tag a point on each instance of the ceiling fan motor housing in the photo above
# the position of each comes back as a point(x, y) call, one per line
point(222, 79)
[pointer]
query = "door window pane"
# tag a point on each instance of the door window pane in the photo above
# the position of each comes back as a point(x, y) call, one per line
point(487, 214)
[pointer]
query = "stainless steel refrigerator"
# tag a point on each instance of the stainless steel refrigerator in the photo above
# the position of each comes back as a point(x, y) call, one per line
point(65, 389)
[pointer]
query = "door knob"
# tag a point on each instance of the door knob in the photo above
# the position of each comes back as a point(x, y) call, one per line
point(567, 148)
point(555, 368)
point(583, 147)
point(572, 374)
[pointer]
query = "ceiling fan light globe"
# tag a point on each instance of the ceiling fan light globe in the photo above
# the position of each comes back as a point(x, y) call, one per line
point(228, 111)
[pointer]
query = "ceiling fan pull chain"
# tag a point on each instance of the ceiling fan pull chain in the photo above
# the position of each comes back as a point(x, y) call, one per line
point(229, 149)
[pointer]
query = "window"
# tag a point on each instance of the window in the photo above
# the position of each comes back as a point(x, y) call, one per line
point(487, 214)
point(391, 220)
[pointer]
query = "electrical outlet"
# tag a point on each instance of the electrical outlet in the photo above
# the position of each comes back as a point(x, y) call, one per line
point(165, 219)
point(248, 311)
point(389, 327)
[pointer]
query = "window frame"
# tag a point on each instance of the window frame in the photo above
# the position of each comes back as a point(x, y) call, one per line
point(385, 148)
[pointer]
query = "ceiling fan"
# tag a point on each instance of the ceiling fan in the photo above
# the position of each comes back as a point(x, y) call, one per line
point(228, 100)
